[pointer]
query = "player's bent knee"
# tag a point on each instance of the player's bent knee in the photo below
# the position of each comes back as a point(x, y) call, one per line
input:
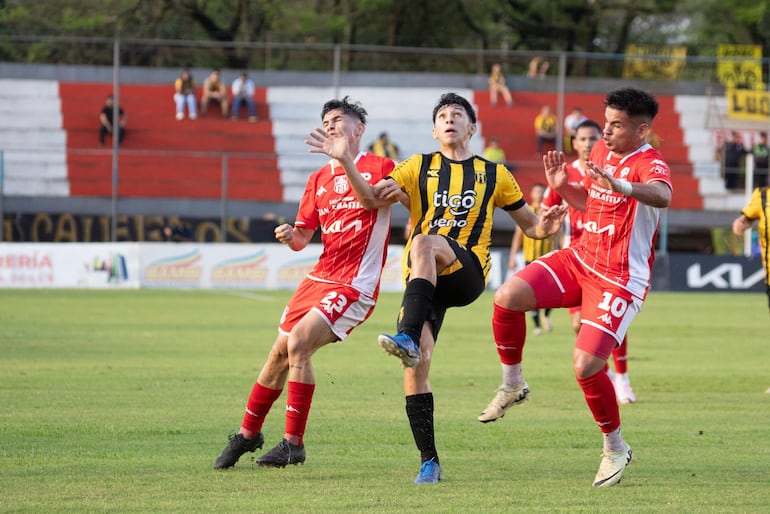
point(516, 295)
point(586, 365)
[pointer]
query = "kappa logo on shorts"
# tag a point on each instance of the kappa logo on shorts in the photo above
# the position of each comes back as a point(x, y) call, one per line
point(606, 319)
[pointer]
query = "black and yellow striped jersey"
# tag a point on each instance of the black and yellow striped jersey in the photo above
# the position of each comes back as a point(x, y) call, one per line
point(456, 199)
point(758, 208)
point(532, 249)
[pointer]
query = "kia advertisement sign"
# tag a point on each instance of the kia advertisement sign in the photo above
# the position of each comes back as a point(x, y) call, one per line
point(695, 272)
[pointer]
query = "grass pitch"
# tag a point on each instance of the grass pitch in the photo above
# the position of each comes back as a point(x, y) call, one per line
point(119, 401)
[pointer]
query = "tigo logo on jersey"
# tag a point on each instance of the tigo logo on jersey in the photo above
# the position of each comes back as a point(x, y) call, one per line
point(457, 204)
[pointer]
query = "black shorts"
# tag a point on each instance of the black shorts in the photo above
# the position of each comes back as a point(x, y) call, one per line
point(457, 289)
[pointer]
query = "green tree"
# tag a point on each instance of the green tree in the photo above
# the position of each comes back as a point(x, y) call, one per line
point(234, 26)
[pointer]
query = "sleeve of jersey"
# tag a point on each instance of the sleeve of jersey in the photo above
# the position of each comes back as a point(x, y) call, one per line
point(307, 215)
point(753, 210)
point(655, 169)
point(551, 198)
point(508, 194)
point(406, 173)
point(385, 169)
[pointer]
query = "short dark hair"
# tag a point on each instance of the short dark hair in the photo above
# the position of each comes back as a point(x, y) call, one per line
point(633, 102)
point(454, 99)
point(588, 123)
point(347, 106)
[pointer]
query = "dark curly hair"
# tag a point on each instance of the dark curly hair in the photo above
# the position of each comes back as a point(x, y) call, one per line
point(634, 102)
point(454, 99)
point(347, 106)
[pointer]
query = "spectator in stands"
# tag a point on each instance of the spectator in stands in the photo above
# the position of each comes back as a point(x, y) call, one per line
point(384, 147)
point(538, 68)
point(178, 232)
point(571, 122)
point(545, 128)
point(106, 125)
point(493, 152)
point(731, 154)
point(184, 95)
point(761, 154)
point(243, 89)
point(214, 90)
point(497, 86)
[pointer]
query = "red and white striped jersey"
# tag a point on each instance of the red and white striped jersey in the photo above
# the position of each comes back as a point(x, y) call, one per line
point(619, 233)
point(355, 240)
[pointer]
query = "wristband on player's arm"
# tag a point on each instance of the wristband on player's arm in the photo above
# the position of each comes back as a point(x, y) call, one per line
point(626, 187)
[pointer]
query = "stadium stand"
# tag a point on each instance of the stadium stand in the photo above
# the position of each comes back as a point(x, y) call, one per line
point(165, 158)
point(32, 138)
point(49, 136)
point(514, 129)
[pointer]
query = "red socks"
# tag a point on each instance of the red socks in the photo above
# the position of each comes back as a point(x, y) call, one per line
point(298, 408)
point(510, 330)
point(600, 397)
point(260, 401)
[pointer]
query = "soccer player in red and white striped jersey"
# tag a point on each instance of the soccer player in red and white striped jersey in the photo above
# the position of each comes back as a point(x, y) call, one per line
point(337, 295)
point(607, 272)
point(586, 134)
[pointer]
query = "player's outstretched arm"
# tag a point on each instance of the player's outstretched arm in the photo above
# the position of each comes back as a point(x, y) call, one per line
point(337, 148)
point(389, 189)
point(539, 227)
point(654, 194)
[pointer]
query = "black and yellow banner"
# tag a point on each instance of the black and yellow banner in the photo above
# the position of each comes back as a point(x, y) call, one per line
point(654, 62)
point(740, 66)
point(746, 104)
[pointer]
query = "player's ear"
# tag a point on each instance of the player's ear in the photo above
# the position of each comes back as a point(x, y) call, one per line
point(435, 133)
point(472, 128)
point(644, 129)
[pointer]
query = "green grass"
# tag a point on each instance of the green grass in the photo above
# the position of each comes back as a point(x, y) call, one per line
point(119, 401)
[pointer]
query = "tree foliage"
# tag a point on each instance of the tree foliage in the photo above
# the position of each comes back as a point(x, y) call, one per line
point(606, 26)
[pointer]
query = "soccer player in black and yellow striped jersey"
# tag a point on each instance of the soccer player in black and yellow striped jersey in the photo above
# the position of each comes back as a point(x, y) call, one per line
point(531, 250)
point(452, 195)
point(758, 209)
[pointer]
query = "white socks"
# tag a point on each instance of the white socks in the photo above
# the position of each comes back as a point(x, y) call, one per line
point(512, 374)
point(613, 442)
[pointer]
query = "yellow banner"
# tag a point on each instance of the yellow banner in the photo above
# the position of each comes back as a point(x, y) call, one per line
point(654, 62)
point(746, 104)
point(740, 66)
